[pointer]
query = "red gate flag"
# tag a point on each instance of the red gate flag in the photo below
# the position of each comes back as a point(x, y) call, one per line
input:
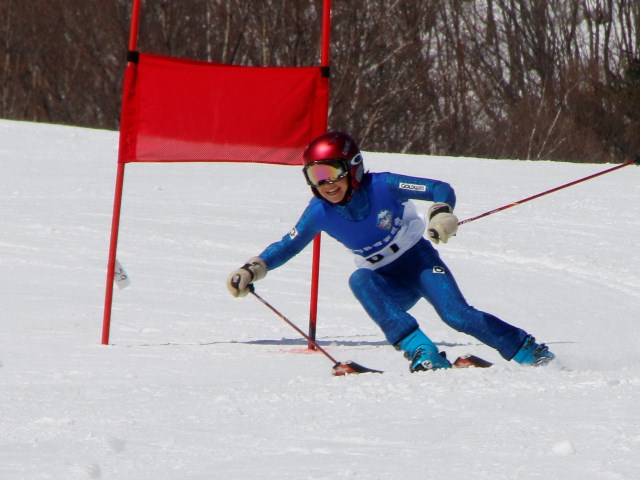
point(178, 110)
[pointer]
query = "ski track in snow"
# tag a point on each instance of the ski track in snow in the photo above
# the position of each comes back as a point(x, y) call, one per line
point(199, 385)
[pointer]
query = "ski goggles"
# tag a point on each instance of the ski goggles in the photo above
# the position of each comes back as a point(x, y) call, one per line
point(325, 171)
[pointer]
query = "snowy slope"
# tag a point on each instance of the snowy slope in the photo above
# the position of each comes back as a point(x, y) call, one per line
point(199, 385)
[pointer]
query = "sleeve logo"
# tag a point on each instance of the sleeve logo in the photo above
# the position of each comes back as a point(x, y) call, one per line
point(412, 186)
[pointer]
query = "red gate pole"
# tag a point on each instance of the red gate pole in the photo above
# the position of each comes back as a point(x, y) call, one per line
point(313, 303)
point(315, 267)
point(115, 225)
point(117, 202)
point(326, 33)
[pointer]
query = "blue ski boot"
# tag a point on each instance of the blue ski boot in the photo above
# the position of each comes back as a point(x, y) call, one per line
point(533, 354)
point(422, 352)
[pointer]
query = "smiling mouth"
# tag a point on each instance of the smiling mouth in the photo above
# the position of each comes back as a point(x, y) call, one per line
point(334, 195)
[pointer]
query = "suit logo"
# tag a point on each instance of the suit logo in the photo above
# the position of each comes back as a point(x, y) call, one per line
point(412, 186)
point(384, 220)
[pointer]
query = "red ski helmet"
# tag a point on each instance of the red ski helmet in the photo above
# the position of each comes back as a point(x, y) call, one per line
point(335, 147)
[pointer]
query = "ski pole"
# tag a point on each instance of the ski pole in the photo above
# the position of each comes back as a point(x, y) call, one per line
point(636, 161)
point(339, 368)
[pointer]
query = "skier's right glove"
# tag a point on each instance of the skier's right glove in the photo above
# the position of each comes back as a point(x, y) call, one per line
point(239, 280)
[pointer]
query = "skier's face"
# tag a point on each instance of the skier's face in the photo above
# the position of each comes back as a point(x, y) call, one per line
point(334, 192)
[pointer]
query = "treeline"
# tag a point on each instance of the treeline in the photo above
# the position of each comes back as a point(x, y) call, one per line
point(530, 79)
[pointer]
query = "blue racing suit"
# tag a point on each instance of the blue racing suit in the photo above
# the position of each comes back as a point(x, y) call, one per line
point(396, 265)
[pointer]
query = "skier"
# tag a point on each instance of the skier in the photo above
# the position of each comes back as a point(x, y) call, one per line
point(372, 215)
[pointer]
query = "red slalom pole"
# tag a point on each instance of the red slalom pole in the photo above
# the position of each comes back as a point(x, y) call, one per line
point(117, 203)
point(315, 280)
point(636, 161)
point(315, 266)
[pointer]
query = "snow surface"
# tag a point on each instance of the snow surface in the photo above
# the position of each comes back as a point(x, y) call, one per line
point(199, 385)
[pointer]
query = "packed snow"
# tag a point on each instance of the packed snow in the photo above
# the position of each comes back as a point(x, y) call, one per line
point(196, 384)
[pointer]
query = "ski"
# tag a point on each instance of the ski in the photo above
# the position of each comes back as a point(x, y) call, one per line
point(464, 361)
point(471, 361)
point(347, 368)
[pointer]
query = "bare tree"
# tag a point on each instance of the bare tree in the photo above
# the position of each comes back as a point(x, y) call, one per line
point(536, 79)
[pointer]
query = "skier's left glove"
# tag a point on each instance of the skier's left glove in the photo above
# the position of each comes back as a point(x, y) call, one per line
point(442, 223)
point(239, 280)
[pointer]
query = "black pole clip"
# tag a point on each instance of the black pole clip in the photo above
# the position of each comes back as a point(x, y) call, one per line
point(133, 56)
